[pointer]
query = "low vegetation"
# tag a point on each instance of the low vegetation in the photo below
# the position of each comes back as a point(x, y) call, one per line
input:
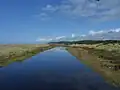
point(102, 66)
point(103, 57)
point(11, 53)
point(106, 49)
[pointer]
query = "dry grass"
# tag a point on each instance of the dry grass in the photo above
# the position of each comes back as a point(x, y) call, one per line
point(7, 49)
point(89, 57)
point(10, 53)
point(107, 51)
point(109, 47)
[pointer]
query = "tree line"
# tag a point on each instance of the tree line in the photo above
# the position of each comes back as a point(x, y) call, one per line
point(87, 42)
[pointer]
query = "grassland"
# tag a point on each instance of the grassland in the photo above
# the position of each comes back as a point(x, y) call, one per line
point(103, 58)
point(11, 53)
point(105, 51)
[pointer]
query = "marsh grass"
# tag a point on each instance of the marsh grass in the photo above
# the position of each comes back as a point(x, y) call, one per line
point(90, 57)
point(105, 51)
point(12, 53)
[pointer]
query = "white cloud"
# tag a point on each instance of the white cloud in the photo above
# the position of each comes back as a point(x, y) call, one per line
point(96, 32)
point(113, 34)
point(83, 35)
point(44, 39)
point(43, 16)
point(60, 37)
point(73, 35)
point(115, 30)
point(102, 9)
point(49, 8)
point(50, 39)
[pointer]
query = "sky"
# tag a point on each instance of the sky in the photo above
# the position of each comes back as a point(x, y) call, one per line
point(36, 21)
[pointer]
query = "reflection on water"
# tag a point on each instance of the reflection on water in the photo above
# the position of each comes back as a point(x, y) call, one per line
point(1, 66)
point(20, 57)
point(108, 69)
point(109, 59)
point(110, 64)
point(55, 69)
point(59, 49)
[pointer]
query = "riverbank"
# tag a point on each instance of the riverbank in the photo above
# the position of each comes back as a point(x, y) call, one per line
point(11, 53)
point(110, 52)
point(104, 59)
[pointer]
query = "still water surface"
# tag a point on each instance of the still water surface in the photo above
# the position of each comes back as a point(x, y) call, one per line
point(54, 69)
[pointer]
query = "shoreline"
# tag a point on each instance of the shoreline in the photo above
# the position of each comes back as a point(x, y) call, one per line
point(20, 54)
point(94, 62)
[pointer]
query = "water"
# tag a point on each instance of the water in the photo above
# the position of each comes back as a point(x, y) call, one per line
point(54, 69)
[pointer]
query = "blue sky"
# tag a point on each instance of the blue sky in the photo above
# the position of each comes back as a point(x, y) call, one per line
point(25, 21)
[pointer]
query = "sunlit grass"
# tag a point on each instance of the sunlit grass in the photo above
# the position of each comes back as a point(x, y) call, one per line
point(11, 53)
point(89, 58)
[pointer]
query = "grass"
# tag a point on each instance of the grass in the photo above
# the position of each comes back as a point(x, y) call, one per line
point(11, 53)
point(105, 51)
point(90, 56)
